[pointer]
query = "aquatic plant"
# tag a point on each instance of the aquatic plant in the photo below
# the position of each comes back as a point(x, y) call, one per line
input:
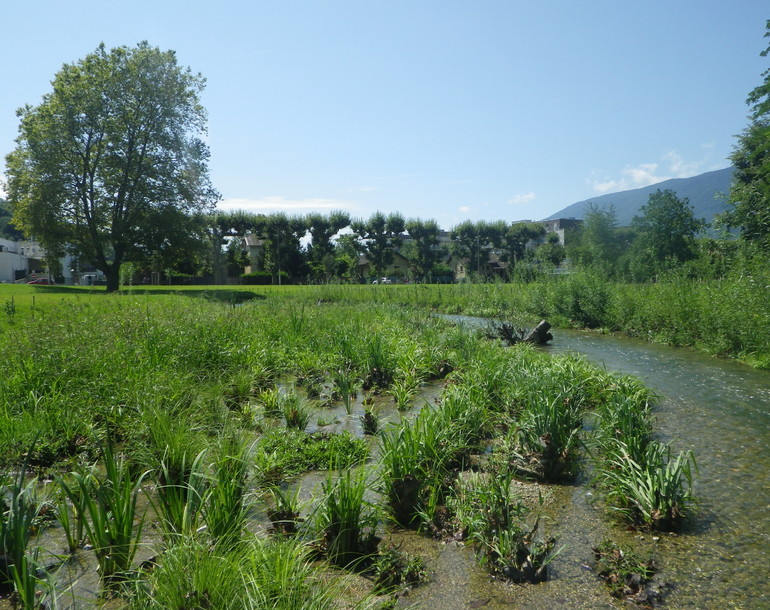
point(547, 438)
point(492, 518)
point(18, 511)
point(624, 571)
point(225, 504)
point(345, 520)
point(344, 381)
point(281, 453)
point(170, 455)
point(655, 492)
point(181, 494)
point(284, 514)
point(370, 421)
point(297, 412)
point(393, 569)
point(108, 505)
point(404, 390)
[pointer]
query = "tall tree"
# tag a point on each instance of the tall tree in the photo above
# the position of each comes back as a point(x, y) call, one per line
point(7, 228)
point(111, 150)
point(283, 234)
point(426, 251)
point(320, 251)
point(515, 239)
point(750, 192)
point(598, 245)
point(469, 239)
point(667, 228)
point(380, 236)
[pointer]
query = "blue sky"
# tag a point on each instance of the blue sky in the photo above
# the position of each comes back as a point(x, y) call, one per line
point(436, 109)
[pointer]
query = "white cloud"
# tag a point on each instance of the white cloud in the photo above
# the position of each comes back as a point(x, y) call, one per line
point(522, 198)
point(464, 209)
point(645, 174)
point(268, 205)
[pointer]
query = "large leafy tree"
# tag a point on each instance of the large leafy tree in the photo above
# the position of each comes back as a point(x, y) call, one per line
point(667, 229)
point(7, 229)
point(750, 192)
point(515, 239)
point(112, 160)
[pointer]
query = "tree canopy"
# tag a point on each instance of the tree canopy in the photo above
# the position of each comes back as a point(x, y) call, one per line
point(750, 193)
point(111, 163)
point(667, 229)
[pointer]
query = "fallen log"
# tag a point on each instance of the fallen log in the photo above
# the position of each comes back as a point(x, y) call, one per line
point(512, 335)
point(539, 334)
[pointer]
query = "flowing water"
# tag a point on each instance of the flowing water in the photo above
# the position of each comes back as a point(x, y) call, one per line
point(720, 409)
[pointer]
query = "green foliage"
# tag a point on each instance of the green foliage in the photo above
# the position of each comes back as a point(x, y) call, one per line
point(110, 163)
point(18, 511)
point(393, 570)
point(623, 570)
point(750, 192)
point(666, 229)
point(294, 452)
point(380, 235)
point(426, 252)
point(260, 574)
point(108, 506)
point(345, 520)
point(654, 491)
point(495, 521)
point(7, 229)
point(261, 278)
point(226, 503)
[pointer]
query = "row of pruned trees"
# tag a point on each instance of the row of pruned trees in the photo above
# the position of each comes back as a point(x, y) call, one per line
point(320, 247)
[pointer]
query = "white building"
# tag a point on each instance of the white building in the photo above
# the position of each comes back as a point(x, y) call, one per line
point(18, 259)
point(14, 263)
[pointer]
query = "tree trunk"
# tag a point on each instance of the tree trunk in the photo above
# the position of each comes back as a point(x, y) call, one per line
point(112, 275)
point(540, 333)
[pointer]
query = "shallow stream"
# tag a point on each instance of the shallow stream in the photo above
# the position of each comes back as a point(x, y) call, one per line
point(720, 409)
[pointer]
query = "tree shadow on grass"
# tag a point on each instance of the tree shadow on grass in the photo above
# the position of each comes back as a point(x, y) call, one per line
point(225, 296)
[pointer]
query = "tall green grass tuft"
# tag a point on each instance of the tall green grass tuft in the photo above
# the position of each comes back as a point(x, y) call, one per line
point(345, 519)
point(548, 438)
point(108, 505)
point(226, 504)
point(495, 521)
point(18, 511)
point(655, 492)
point(170, 455)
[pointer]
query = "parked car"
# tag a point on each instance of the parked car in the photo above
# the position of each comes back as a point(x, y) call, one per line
point(41, 280)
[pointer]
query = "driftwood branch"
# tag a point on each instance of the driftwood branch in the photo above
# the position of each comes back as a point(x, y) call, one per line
point(511, 335)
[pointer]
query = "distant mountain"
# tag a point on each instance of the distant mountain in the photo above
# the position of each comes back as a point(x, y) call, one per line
point(703, 192)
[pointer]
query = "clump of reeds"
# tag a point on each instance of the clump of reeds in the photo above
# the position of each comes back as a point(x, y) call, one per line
point(345, 519)
point(297, 412)
point(107, 505)
point(226, 505)
point(496, 522)
point(640, 478)
point(654, 492)
point(18, 512)
point(284, 514)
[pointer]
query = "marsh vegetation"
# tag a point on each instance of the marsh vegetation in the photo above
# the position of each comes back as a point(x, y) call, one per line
point(173, 430)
